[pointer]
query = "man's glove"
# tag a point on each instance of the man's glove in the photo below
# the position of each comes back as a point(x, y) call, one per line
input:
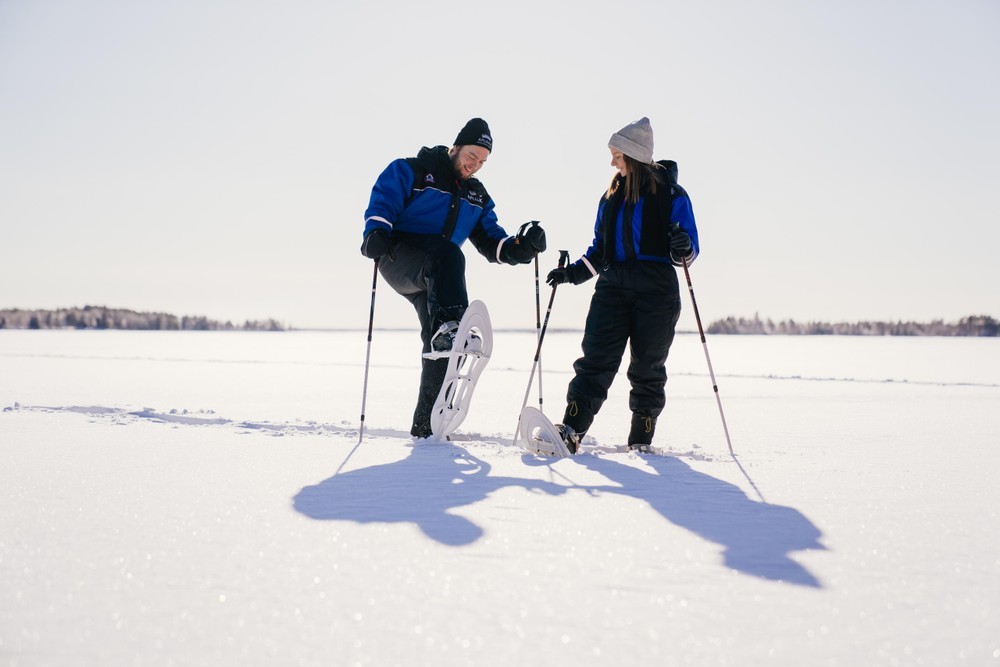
point(529, 241)
point(534, 236)
point(376, 244)
point(680, 244)
point(574, 273)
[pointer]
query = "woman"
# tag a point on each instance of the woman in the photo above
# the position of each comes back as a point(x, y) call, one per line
point(645, 226)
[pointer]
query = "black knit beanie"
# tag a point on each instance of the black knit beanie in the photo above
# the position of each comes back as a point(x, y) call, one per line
point(475, 133)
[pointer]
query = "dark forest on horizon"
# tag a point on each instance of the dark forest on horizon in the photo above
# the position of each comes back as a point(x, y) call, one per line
point(973, 325)
point(101, 317)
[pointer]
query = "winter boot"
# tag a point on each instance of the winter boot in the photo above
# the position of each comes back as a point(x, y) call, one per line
point(570, 437)
point(422, 429)
point(431, 378)
point(444, 338)
point(640, 436)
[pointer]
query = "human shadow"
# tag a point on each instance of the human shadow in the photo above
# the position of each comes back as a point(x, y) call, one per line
point(423, 489)
point(436, 479)
point(757, 538)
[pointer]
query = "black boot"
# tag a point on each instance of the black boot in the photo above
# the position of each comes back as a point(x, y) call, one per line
point(570, 437)
point(431, 378)
point(640, 436)
point(576, 420)
point(444, 338)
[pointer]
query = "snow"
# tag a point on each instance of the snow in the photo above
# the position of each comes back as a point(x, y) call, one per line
point(201, 498)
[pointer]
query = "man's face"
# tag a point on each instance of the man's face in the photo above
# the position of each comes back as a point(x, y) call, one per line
point(468, 160)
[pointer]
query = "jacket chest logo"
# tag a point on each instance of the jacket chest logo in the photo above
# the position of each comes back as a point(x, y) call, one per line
point(475, 198)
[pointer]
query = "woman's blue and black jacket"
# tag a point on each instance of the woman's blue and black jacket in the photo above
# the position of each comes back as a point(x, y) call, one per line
point(626, 232)
point(423, 196)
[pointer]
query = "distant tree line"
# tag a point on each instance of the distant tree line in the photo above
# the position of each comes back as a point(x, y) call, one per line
point(100, 317)
point(974, 325)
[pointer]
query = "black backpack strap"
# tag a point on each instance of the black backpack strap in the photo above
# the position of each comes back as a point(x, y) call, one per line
point(419, 176)
point(451, 220)
point(665, 201)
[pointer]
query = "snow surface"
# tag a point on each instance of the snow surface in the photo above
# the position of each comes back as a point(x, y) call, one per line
point(201, 498)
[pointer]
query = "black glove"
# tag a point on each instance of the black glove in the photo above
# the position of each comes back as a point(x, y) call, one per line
point(533, 236)
point(529, 241)
point(558, 276)
point(376, 244)
point(574, 273)
point(680, 244)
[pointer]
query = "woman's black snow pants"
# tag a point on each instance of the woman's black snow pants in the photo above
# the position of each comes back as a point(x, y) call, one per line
point(636, 303)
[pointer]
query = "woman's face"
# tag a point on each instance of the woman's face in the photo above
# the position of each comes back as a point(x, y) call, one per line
point(618, 162)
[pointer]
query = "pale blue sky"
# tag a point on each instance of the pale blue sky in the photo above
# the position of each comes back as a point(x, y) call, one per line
point(215, 158)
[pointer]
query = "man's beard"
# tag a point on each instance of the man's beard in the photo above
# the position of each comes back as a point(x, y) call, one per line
point(457, 166)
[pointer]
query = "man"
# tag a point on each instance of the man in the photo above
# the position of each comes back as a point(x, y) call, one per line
point(422, 209)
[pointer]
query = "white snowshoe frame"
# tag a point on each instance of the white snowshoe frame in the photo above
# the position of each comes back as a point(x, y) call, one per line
point(540, 436)
point(464, 369)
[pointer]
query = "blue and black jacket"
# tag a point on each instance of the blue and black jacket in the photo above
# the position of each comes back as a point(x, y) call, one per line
point(423, 196)
point(627, 232)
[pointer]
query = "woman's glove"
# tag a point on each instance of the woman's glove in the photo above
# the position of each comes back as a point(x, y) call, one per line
point(680, 244)
point(574, 273)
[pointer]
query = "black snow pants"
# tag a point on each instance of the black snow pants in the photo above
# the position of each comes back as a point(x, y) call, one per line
point(430, 272)
point(636, 303)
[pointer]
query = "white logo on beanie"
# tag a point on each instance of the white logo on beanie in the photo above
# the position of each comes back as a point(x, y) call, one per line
point(475, 133)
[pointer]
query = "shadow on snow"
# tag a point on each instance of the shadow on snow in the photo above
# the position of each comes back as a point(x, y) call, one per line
point(756, 538)
point(420, 489)
point(437, 478)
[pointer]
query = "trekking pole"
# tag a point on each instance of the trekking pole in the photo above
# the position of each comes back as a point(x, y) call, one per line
point(364, 388)
point(704, 343)
point(538, 331)
point(538, 312)
point(368, 354)
point(563, 258)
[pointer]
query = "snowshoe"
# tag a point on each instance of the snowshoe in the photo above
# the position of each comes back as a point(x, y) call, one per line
point(540, 436)
point(467, 357)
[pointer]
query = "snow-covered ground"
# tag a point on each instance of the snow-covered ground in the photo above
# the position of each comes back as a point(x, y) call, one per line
point(194, 498)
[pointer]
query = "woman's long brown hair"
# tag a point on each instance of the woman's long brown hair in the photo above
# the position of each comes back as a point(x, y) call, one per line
point(639, 177)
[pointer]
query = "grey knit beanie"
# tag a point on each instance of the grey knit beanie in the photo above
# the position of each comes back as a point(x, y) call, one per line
point(635, 140)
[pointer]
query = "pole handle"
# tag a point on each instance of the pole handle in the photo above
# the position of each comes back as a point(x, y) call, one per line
point(529, 223)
